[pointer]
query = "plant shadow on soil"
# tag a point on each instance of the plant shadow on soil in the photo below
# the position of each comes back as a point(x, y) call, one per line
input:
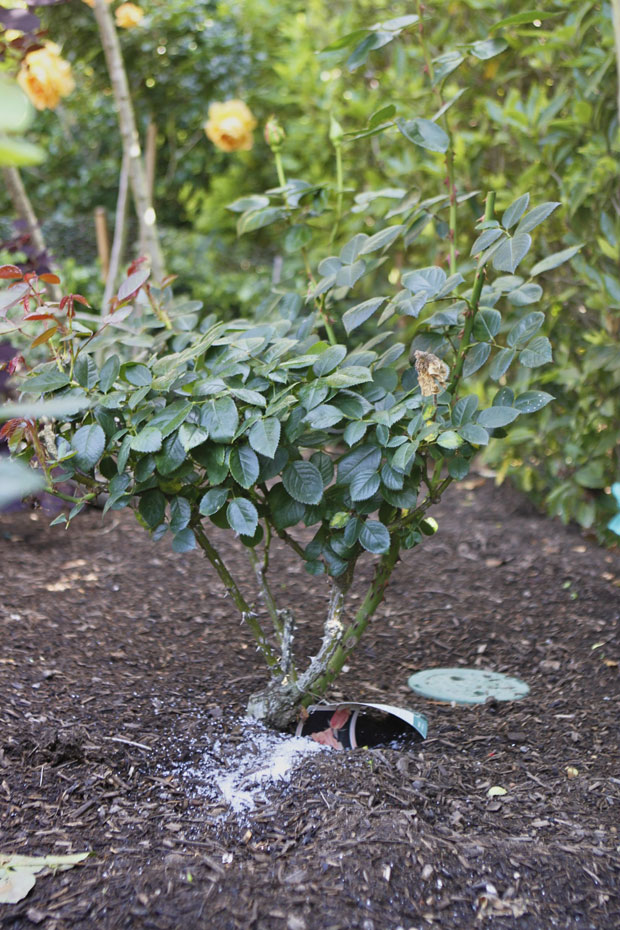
point(123, 664)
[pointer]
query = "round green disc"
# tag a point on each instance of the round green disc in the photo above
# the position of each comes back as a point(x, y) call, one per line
point(466, 685)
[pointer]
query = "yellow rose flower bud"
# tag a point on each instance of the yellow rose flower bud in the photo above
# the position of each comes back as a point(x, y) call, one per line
point(230, 126)
point(128, 15)
point(45, 77)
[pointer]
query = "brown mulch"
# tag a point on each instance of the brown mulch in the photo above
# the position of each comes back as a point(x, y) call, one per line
point(121, 662)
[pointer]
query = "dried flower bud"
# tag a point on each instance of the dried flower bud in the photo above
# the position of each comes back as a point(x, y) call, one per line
point(432, 373)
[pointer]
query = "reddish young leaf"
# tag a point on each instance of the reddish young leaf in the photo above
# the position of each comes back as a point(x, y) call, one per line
point(81, 300)
point(13, 364)
point(39, 316)
point(10, 271)
point(43, 337)
point(135, 265)
point(49, 278)
point(9, 427)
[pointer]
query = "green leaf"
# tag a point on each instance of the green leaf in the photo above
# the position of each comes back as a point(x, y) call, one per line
point(464, 410)
point(109, 373)
point(524, 295)
point(192, 435)
point(344, 41)
point(374, 537)
point(366, 458)
point(89, 443)
point(220, 418)
point(348, 377)
point(531, 401)
point(485, 239)
point(85, 371)
point(354, 432)
point(213, 501)
point(329, 360)
point(147, 440)
point(424, 133)
point(184, 540)
point(264, 436)
point(403, 456)
point(552, 261)
point(349, 274)
point(487, 48)
point(518, 19)
point(511, 252)
point(18, 153)
point(138, 375)
point(382, 239)
point(152, 507)
point(449, 440)
point(475, 358)
point(257, 219)
point(363, 485)
point(381, 115)
point(428, 280)
point(525, 328)
point(494, 417)
point(172, 455)
point(325, 465)
point(180, 513)
point(245, 204)
point(475, 434)
point(242, 516)
point(244, 466)
point(249, 397)
point(537, 215)
point(323, 416)
point(537, 352)
point(215, 460)
point(359, 55)
point(303, 482)
point(169, 418)
point(487, 324)
point(357, 315)
point(18, 480)
point(515, 211)
point(350, 251)
point(501, 363)
point(48, 378)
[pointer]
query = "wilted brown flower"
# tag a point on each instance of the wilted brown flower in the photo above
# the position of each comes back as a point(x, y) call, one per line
point(432, 373)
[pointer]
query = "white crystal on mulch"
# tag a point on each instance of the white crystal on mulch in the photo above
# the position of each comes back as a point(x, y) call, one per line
point(239, 772)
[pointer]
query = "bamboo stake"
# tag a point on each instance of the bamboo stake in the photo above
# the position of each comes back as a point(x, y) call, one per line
point(25, 211)
point(103, 244)
point(149, 239)
point(120, 226)
point(150, 157)
point(615, 18)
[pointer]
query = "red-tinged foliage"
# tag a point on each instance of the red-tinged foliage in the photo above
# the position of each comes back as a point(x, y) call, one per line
point(49, 278)
point(43, 337)
point(14, 364)
point(69, 300)
point(12, 425)
point(136, 264)
point(38, 316)
point(10, 271)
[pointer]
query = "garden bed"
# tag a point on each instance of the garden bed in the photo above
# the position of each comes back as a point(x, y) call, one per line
point(124, 671)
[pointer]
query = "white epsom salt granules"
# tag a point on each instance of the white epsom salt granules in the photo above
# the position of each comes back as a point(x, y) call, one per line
point(239, 772)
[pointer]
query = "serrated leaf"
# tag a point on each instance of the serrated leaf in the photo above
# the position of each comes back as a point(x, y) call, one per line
point(501, 363)
point(537, 215)
point(381, 240)
point(303, 481)
point(537, 352)
point(147, 440)
point(192, 435)
point(475, 358)
point(88, 443)
point(366, 457)
point(475, 434)
point(485, 239)
point(152, 507)
point(357, 315)
point(170, 456)
point(424, 133)
point(138, 375)
point(244, 466)
point(464, 410)
point(525, 328)
point(349, 274)
point(257, 219)
point(524, 295)
point(511, 252)
point(325, 465)
point(495, 417)
point(184, 540)
point(221, 418)
point(180, 513)
point(531, 401)
point(374, 537)
point(354, 432)
point(264, 436)
point(133, 283)
point(246, 204)
point(449, 440)
point(487, 48)
point(363, 485)
point(348, 377)
point(323, 416)
point(85, 372)
point(329, 360)
point(351, 250)
point(553, 261)
point(428, 280)
point(515, 211)
point(213, 501)
point(46, 379)
point(109, 373)
point(242, 516)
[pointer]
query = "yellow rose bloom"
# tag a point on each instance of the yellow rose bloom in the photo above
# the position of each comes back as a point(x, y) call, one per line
point(45, 77)
point(230, 126)
point(128, 15)
point(91, 3)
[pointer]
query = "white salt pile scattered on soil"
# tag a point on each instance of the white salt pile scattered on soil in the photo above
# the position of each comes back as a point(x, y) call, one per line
point(237, 772)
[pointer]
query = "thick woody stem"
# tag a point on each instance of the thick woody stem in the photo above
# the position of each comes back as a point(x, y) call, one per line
point(131, 141)
point(25, 211)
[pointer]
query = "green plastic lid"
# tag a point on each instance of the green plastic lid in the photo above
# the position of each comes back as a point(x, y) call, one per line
point(466, 685)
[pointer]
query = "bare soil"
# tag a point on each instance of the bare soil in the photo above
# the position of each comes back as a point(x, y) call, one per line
point(122, 663)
